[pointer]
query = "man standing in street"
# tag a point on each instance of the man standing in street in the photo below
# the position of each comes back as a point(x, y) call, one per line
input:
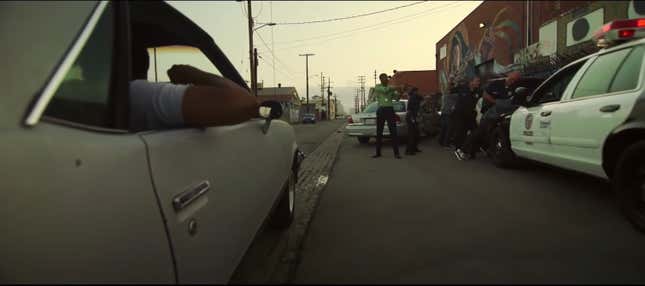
point(384, 95)
point(414, 101)
point(465, 114)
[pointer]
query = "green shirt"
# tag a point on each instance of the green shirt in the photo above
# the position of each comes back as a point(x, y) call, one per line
point(385, 95)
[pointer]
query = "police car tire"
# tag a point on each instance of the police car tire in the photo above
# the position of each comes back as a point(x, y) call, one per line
point(284, 211)
point(504, 158)
point(628, 184)
point(363, 140)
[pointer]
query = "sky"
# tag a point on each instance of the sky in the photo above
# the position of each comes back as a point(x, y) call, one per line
point(401, 39)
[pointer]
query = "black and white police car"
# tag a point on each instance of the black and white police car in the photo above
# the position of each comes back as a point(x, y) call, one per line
point(589, 117)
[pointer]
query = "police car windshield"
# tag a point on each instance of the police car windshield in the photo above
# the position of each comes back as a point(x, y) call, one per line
point(399, 106)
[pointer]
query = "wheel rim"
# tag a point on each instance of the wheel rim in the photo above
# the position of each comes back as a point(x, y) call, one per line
point(292, 194)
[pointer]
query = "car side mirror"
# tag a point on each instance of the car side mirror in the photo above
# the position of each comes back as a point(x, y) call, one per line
point(521, 94)
point(269, 110)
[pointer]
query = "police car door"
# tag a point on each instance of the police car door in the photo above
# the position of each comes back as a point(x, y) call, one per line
point(601, 100)
point(531, 126)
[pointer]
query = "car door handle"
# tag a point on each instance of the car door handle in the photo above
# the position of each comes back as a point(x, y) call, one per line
point(193, 193)
point(545, 113)
point(610, 108)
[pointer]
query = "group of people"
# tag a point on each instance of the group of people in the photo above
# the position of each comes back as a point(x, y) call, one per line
point(459, 128)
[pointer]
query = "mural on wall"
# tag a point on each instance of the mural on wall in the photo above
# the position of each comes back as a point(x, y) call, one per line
point(494, 44)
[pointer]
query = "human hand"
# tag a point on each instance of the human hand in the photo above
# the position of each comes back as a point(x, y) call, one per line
point(184, 74)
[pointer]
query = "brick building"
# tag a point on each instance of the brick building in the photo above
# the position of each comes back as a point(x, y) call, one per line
point(499, 36)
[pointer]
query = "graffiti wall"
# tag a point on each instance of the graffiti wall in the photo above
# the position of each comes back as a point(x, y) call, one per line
point(485, 42)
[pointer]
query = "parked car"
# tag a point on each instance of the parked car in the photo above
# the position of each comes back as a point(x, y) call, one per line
point(589, 117)
point(362, 125)
point(89, 200)
point(309, 118)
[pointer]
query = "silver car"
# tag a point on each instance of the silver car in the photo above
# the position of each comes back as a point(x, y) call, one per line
point(86, 198)
point(363, 125)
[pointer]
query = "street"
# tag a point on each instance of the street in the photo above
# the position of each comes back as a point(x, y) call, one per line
point(264, 255)
point(433, 219)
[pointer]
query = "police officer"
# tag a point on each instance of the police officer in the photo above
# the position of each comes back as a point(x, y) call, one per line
point(384, 96)
point(414, 101)
point(465, 114)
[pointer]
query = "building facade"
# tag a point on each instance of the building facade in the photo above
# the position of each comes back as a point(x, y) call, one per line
point(288, 98)
point(530, 36)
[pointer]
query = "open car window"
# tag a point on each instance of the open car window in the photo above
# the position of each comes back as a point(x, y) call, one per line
point(163, 58)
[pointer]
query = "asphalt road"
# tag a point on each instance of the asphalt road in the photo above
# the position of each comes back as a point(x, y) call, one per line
point(263, 256)
point(433, 219)
point(309, 136)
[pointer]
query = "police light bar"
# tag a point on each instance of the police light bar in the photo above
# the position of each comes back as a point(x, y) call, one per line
point(619, 31)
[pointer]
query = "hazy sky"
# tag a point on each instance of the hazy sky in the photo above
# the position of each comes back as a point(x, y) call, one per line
point(403, 39)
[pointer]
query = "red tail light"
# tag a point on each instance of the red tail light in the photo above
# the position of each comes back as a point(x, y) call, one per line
point(626, 33)
point(350, 120)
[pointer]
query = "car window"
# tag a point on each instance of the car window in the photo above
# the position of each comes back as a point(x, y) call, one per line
point(599, 75)
point(371, 107)
point(163, 58)
point(627, 76)
point(554, 89)
point(83, 96)
point(399, 106)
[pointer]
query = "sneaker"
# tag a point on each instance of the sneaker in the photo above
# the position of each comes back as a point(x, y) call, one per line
point(461, 156)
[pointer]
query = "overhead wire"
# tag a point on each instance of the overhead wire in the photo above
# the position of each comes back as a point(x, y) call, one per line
point(368, 28)
point(348, 17)
point(287, 68)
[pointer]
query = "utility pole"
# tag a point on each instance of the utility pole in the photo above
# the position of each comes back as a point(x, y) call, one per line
point(375, 82)
point(335, 107)
point(251, 58)
point(255, 71)
point(361, 80)
point(322, 93)
point(356, 103)
point(328, 95)
point(307, 75)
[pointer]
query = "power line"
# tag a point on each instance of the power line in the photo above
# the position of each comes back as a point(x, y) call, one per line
point(273, 54)
point(368, 28)
point(349, 17)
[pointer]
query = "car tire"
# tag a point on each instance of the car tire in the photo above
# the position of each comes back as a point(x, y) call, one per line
point(363, 140)
point(283, 213)
point(629, 184)
point(499, 149)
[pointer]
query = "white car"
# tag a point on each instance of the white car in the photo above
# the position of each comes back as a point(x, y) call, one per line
point(88, 200)
point(589, 117)
point(362, 125)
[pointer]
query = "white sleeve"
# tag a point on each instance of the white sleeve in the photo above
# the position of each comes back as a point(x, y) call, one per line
point(162, 101)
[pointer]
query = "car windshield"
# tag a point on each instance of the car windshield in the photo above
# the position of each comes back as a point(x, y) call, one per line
point(399, 106)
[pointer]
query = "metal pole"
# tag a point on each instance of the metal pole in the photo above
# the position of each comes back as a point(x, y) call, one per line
point(307, 74)
point(255, 70)
point(251, 58)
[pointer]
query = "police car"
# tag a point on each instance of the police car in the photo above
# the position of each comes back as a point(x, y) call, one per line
point(589, 117)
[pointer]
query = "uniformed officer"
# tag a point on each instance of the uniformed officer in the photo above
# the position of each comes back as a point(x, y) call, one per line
point(414, 101)
point(384, 96)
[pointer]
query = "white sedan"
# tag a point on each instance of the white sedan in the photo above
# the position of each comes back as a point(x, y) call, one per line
point(86, 199)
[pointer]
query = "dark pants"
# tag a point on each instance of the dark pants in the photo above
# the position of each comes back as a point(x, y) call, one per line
point(444, 133)
point(386, 114)
point(462, 124)
point(478, 137)
point(413, 132)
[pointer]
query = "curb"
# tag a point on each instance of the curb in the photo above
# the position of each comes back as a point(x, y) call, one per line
point(314, 174)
